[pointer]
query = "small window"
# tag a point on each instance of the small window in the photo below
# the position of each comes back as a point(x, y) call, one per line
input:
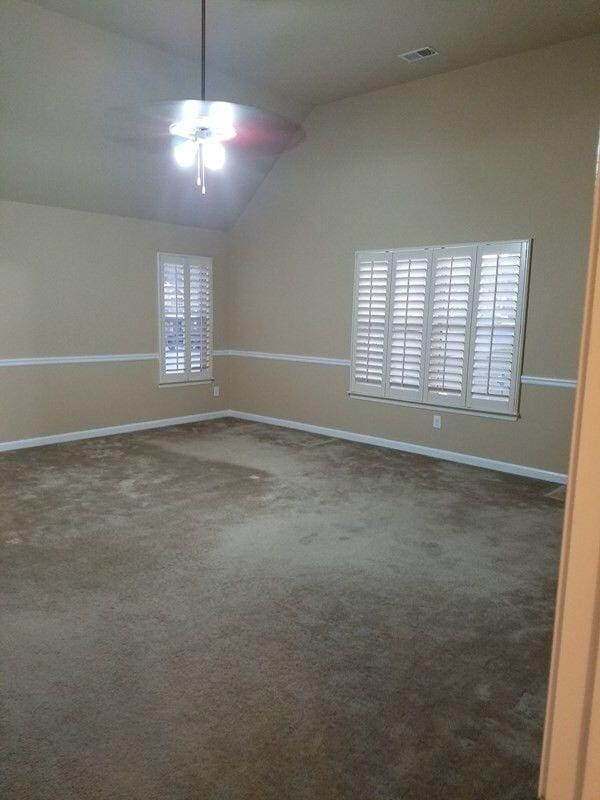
point(185, 306)
point(441, 326)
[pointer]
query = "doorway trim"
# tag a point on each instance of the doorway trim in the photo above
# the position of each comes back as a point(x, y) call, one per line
point(572, 730)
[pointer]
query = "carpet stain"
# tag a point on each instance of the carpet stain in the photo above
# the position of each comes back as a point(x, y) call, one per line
point(231, 611)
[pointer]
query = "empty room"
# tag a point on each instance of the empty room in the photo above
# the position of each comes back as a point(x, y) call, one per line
point(299, 400)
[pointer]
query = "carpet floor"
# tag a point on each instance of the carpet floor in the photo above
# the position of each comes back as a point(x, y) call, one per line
point(231, 611)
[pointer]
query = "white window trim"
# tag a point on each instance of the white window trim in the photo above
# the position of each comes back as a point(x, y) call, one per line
point(430, 407)
point(186, 378)
point(423, 398)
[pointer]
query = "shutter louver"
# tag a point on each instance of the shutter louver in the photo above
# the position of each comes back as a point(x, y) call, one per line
point(496, 328)
point(449, 325)
point(370, 322)
point(185, 285)
point(407, 325)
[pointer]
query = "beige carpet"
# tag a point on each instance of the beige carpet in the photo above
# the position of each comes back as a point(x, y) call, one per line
point(230, 611)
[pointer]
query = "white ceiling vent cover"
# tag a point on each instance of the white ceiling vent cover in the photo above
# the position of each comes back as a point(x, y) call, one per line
point(419, 55)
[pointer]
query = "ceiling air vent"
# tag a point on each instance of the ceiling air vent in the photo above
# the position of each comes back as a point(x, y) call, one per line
point(419, 55)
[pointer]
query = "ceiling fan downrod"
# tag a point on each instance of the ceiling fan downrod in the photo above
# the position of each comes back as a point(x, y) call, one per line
point(203, 85)
point(200, 169)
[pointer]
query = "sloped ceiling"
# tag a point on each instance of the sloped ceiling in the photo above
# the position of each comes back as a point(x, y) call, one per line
point(322, 50)
point(66, 64)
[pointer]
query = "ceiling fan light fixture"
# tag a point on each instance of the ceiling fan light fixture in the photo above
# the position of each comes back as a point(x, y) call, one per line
point(200, 141)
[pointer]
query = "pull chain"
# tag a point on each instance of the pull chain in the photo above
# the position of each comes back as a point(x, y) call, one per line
point(200, 169)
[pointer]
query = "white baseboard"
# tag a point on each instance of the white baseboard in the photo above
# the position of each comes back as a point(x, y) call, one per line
point(92, 433)
point(408, 447)
point(393, 444)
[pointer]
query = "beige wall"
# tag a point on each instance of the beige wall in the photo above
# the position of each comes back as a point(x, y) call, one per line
point(317, 395)
point(498, 151)
point(501, 150)
point(77, 283)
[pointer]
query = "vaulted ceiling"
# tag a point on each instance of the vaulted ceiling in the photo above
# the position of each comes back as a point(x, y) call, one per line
point(66, 65)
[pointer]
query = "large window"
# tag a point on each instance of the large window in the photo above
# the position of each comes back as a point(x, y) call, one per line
point(185, 307)
point(441, 326)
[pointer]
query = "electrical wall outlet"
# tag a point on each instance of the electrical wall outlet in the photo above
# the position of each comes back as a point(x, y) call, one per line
point(437, 421)
point(216, 390)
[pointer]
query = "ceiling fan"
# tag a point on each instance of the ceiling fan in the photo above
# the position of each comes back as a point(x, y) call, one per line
point(201, 132)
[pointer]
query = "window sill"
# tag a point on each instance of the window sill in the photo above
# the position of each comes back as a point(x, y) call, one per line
point(429, 407)
point(175, 384)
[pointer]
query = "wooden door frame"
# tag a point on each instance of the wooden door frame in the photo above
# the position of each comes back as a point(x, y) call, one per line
point(572, 729)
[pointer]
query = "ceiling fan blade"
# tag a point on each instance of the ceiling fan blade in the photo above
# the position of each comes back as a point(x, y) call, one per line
point(256, 131)
point(266, 137)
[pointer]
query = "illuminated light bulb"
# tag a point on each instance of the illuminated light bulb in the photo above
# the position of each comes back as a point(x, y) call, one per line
point(190, 111)
point(221, 116)
point(214, 154)
point(221, 113)
point(221, 119)
point(185, 153)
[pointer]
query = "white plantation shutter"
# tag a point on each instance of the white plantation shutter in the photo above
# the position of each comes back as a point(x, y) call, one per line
point(497, 325)
point(185, 306)
point(448, 330)
point(371, 289)
point(406, 352)
point(441, 326)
